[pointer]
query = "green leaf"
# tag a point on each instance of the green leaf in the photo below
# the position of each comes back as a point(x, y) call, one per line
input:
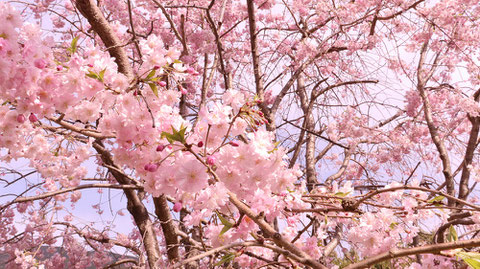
point(94, 76)
point(224, 230)
point(436, 199)
point(73, 45)
point(470, 258)
point(452, 234)
point(226, 259)
point(341, 194)
point(151, 74)
point(224, 220)
point(154, 88)
point(175, 135)
point(101, 74)
point(226, 223)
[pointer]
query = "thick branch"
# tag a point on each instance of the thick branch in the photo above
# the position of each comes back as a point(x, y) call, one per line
point(257, 72)
point(471, 146)
point(270, 232)
point(135, 207)
point(101, 26)
point(168, 227)
point(392, 254)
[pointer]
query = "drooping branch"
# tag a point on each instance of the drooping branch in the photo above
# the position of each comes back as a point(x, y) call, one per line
point(226, 77)
point(427, 110)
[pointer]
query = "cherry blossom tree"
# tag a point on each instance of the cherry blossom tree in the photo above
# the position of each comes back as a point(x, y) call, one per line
point(240, 134)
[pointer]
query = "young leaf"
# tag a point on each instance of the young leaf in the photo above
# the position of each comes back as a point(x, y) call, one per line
point(175, 135)
point(470, 258)
point(226, 259)
point(224, 220)
point(436, 199)
point(341, 194)
point(73, 45)
point(150, 75)
point(154, 88)
point(452, 234)
point(101, 74)
point(226, 223)
point(93, 75)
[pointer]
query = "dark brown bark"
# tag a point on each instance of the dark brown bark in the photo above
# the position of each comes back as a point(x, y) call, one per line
point(135, 207)
point(168, 227)
point(101, 26)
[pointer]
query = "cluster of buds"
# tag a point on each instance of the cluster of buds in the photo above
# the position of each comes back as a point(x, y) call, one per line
point(32, 118)
point(251, 113)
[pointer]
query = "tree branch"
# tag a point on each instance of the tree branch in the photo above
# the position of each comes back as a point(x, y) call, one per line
point(392, 254)
point(101, 26)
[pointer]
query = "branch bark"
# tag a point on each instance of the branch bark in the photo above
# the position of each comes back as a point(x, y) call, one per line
point(135, 207)
point(471, 146)
point(427, 110)
point(392, 254)
point(168, 227)
point(101, 26)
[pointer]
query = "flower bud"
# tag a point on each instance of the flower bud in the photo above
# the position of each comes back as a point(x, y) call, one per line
point(177, 206)
point(151, 167)
point(200, 144)
point(190, 70)
point(40, 63)
point(20, 118)
point(233, 144)
point(211, 160)
point(162, 83)
point(160, 147)
point(32, 118)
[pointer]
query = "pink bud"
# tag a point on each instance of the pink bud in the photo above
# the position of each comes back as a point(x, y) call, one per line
point(162, 83)
point(211, 160)
point(160, 147)
point(233, 144)
point(200, 144)
point(177, 206)
point(156, 67)
point(90, 65)
point(59, 68)
point(190, 70)
point(151, 167)
point(32, 118)
point(40, 63)
point(20, 118)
